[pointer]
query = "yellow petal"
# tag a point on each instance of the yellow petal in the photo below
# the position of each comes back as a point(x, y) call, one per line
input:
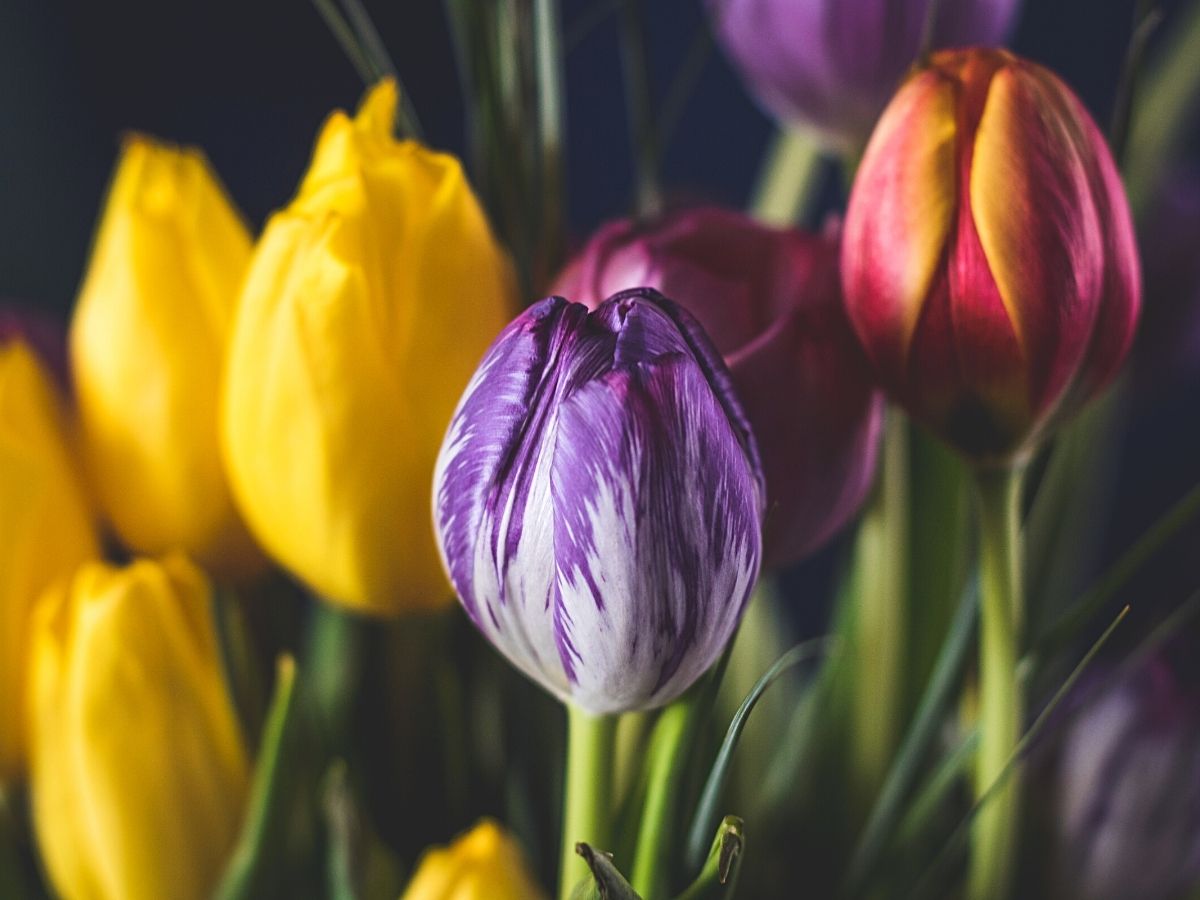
point(895, 249)
point(139, 773)
point(368, 304)
point(148, 343)
point(484, 864)
point(46, 529)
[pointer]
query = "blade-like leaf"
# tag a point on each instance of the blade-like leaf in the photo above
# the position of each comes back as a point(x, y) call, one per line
point(960, 832)
point(256, 867)
point(718, 879)
point(703, 821)
point(606, 883)
point(939, 691)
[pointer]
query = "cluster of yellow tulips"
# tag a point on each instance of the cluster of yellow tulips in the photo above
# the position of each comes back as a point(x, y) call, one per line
point(236, 403)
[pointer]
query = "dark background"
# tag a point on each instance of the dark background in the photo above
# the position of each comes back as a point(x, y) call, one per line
point(251, 80)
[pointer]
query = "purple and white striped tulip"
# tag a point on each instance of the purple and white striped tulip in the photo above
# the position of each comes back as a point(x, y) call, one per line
point(599, 498)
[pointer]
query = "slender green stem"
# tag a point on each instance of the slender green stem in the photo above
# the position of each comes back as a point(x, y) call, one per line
point(334, 664)
point(672, 733)
point(789, 178)
point(673, 738)
point(1001, 708)
point(586, 811)
point(550, 80)
point(881, 577)
point(258, 862)
point(638, 100)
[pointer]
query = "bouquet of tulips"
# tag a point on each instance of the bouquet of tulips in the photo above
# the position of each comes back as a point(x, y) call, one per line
point(790, 541)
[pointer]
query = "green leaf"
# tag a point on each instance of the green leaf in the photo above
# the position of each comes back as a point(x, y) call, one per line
point(939, 691)
point(606, 883)
point(927, 881)
point(718, 879)
point(702, 822)
point(1068, 625)
point(257, 866)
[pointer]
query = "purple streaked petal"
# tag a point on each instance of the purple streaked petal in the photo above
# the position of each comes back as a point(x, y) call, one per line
point(598, 500)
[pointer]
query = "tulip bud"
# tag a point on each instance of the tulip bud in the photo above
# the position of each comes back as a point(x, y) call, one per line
point(1128, 822)
point(598, 500)
point(148, 347)
point(486, 863)
point(369, 301)
point(771, 300)
point(45, 526)
point(988, 258)
point(139, 774)
point(831, 65)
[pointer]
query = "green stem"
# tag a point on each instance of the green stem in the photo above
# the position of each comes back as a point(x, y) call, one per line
point(789, 179)
point(257, 864)
point(550, 80)
point(880, 630)
point(1001, 707)
point(586, 810)
point(636, 60)
point(334, 663)
point(674, 732)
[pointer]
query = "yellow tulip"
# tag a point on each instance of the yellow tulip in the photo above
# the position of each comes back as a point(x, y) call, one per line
point(486, 863)
point(139, 773)
point(46, 529)
point(369, 302)
point(148, 346)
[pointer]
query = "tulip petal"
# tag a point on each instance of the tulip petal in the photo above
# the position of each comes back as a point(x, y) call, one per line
point(598, 502)
point(891, 251)
point(655, 535)
point(1038, 225)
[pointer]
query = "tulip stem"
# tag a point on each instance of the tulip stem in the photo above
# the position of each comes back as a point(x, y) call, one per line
point(337, 644)
point(1001, 707)
point(674, 733)
point(591, 741)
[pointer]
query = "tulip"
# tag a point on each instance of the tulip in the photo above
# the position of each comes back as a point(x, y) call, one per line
point(832, 65)
point(988, 258)
point(139, 774)
point(148, 344)
point(1128, 805)
point(368, 303)
point(771, 300)
point(486, 863)
point(46, 528)
point(598, 500)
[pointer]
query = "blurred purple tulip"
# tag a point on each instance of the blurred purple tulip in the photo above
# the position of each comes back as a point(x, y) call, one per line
point(1129, 791)
point(831, 65)
point(598, 500)
point(771, 301)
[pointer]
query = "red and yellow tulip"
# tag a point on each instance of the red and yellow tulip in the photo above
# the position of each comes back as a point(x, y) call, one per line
point(988, 257)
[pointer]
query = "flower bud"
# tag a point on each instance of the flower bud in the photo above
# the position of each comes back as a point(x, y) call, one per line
point(598, 500)
point(771, 301)
point(831, 65)
point(46, 529)
point(1128, 822)
point(486, 863)
point(369, 301)
point(988, 259)
point(148, 344)
point(139, 774)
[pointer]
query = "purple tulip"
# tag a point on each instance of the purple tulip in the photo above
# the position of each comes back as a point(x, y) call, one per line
point(832, 64)
point(771, 299)
point(1129, 791)
point(598, 500)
